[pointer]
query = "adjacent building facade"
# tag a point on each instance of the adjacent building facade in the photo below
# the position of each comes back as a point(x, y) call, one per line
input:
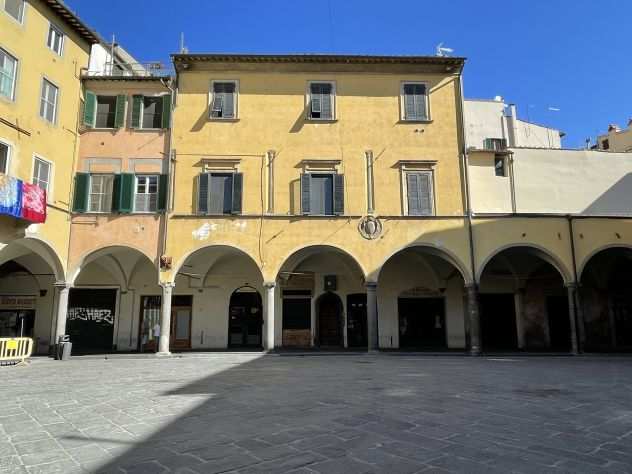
point(616, 140)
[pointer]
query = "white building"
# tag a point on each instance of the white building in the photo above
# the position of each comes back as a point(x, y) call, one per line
point(494, 125)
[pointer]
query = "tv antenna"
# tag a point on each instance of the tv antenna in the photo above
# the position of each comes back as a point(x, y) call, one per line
point(443, 51)
point(183, 48)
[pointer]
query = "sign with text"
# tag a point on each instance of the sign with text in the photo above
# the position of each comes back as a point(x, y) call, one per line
point(17, 302)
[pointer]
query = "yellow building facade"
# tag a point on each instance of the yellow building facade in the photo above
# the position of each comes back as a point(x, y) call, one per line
point(43, 48)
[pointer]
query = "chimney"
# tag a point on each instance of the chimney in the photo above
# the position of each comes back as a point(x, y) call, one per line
point(613, 128)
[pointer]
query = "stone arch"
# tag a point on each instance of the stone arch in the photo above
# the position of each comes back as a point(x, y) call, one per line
point(534, 249)
point(182, 261)
point(41, 248)
point(582, 266)
point(297, 255)
point(440, 252)
point(93, 255)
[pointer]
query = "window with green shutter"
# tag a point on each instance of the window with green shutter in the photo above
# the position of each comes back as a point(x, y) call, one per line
point(80, 199)
point(166, 110)
point(163, 192)
point(119, 117)
point(123, 195)
point(220, 193)
point(224, 100)
point(89, 109)
point(137, 106)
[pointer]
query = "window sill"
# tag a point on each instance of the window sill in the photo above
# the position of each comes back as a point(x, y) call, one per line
point(317, 120)
point(140, 129)
point(220, 119)
point(415, 121)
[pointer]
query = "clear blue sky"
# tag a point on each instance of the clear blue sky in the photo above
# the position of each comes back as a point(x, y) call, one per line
point(575, 55)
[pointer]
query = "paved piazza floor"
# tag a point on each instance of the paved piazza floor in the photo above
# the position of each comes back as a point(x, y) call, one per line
point(248, 413)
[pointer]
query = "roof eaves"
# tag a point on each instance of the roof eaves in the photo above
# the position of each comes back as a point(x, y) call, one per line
point(83, 30)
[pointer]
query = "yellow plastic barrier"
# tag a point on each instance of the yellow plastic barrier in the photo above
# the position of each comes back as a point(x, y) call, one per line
point(15, 349)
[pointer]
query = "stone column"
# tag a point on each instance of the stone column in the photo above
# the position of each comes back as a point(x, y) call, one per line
point(519, 298)
point(63, 291)
point(571, 288)
point(165, 318)
point(268, 325)
point(581, 328)
point(371, 317)
point(475, 320)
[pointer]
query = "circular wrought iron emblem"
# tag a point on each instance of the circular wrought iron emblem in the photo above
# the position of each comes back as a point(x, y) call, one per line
point(370, 227)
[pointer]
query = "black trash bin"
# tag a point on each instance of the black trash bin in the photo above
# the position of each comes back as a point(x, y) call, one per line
point(64, 348)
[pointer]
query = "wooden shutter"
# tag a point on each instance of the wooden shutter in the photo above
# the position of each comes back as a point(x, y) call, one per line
point(409, 102)
point(137, 104)
point(80, 201)
point(229, 100)
point(123, 193)
point(238, 183)
point(315, 100)
point(305, 193)
point(163, 192)
point(339, 194)
point(202, 197)
point(425, 190)
point(119, 115)
point(166, 110)
point(420, 102)
point(90, 109)
point(326, 102)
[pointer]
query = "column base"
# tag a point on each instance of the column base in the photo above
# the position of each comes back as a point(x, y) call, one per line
point(475, 352)
point(163, 354)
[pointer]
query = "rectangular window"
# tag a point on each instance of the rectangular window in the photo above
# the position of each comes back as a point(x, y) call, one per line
point(419, 193)
point(221, 193)
point(15, 8)
point(321, 101)
point(41, 174)
point(414, 101)
point(100, 195)
point(5, 151)
point(55, 39)
point(224, 100)
point(105, 111)
point(605, 144)
point(499, 166)
point(152, 112)
point(8, 69)
point(495, 144)
point(48, 101)
point(146, 196)
point(321, 199)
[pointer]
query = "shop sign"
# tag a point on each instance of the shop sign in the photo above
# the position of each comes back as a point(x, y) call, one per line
point(17, 302)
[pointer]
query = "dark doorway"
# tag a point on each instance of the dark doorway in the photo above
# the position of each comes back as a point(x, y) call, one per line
point(181, 313)
point(90, 323)
point(245, 323)
point(421, 323)
point(559, 323)
point(357, 335)
point(498, 322)
point(17, 323)
point(297, 318)
point(329, 310)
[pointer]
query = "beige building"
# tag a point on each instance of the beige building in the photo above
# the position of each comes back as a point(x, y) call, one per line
point(616, 140)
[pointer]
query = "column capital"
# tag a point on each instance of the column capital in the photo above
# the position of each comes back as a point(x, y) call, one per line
point(471, 286)
point(371, 285)
point(571, 285)
point(269, 284)
point(61, 285)
point(167, 284)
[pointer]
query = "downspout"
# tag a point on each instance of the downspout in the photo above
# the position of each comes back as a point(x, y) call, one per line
point(512, 183)
point(171, 172)
point(473, 290)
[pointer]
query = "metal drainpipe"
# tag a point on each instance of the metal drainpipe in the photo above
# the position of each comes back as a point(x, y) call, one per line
point(512, 183)
point(171, 170)
point(466, 184)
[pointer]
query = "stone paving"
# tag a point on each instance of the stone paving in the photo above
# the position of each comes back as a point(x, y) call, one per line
point(250, 413)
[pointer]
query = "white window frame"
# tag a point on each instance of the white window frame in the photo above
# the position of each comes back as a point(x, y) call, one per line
point(308, 100)
point(15, 75)
point(89, 209)
point(211, 95)
point(49, 184)
point(504, 168)
point(417, 166)
point(149, 175)
point(19, 21)
point(55, 106)
point(53, 27)
point(402, 102)
point(9, 146)
point(142, 112)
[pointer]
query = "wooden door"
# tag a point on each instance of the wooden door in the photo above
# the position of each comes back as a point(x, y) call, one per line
point(330, 321)
point(180, 336)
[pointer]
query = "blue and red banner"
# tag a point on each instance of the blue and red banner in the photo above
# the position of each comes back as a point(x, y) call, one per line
point(22, 200)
